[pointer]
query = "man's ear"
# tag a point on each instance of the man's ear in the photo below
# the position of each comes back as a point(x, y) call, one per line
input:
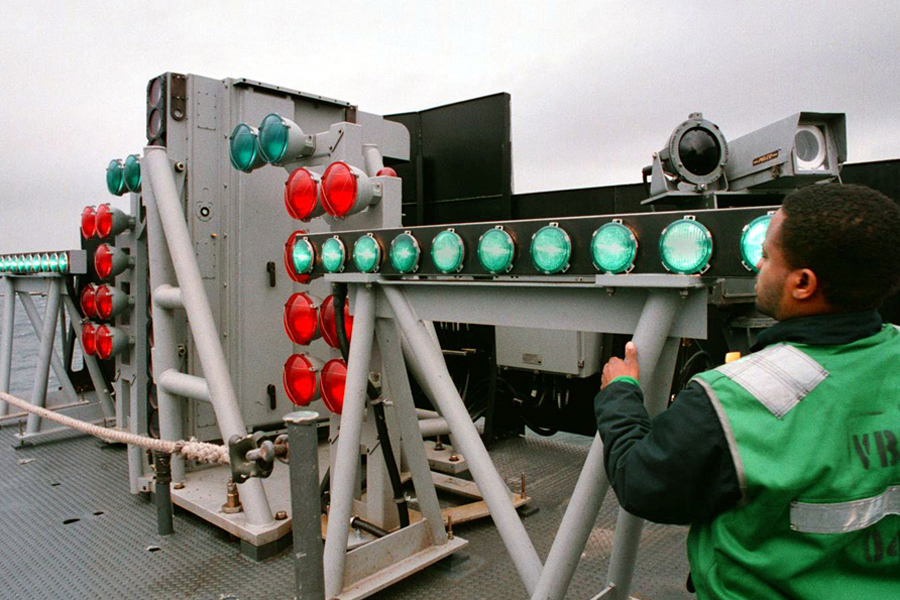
point(803, 284)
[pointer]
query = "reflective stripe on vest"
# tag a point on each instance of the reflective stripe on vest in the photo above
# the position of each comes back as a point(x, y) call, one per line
point(843, 517)
point(779, 377)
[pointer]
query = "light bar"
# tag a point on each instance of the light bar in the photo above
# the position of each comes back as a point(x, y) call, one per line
point(43, 263)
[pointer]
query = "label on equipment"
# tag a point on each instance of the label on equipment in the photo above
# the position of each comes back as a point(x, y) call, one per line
point(765, 158)
point(532, 359)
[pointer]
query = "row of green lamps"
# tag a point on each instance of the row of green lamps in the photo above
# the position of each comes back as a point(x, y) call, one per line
point(24, 264)
point(685, 247)
point(124, 176)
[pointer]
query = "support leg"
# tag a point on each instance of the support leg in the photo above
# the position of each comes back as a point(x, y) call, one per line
point(346, 465)
point(48, 336)
point(397, 389)
point(6, 337)
point(491, 485)
point(656, 358)
point(37, 323)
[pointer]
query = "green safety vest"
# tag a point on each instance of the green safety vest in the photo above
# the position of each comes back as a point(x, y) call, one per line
point(813, 432)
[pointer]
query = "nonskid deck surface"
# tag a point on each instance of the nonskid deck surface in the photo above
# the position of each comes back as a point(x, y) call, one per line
point(70, 529)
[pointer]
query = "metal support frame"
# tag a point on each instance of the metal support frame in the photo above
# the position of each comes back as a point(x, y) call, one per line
point(37, 323)
point(491, 485)
point(6, 338)
point(48, 336)
point(169, 214)
point(346, 467)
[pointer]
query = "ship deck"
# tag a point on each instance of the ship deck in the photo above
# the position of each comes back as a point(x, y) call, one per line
point(71, 529)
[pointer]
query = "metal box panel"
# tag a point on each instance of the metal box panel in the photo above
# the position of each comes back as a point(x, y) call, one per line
point(573, 353)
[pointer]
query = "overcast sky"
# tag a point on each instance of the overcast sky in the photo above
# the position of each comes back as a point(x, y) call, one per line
point(596, 87)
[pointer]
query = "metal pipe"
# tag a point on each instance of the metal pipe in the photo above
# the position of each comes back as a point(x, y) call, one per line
point(493, 488)
point(48, 336)
point(423, 413)
point(575, 528)
point(655, 352)
point(346, 464)
point(37, 323)
point(162, 491)
point(396, 381)
point(200, 317)
point(164, 352)
point(168, 297)
point(306, 520)
point(439, 426)
point(182, 384)
point(106, 401)
point(6, 338)
point(372, 158)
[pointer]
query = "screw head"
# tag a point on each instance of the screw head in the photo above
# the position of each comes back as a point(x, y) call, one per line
point(281, 515)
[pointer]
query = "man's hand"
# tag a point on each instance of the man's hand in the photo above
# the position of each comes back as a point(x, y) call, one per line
point(616, 367)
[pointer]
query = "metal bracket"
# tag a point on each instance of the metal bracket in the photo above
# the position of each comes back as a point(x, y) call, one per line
point(249, 457)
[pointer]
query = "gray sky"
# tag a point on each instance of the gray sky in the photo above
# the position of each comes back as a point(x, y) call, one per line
point(596, 87)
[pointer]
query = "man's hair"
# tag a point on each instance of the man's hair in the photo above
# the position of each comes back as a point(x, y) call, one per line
point(849, 236)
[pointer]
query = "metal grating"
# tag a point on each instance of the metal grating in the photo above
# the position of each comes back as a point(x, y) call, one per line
point(107, 552)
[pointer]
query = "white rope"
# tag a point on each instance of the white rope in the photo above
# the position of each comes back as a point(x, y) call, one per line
point(191, 449)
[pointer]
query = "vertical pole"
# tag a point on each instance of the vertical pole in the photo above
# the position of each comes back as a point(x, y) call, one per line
point(346, 464)
point(309, 580)
point(493, 488)
point(164, 352)
point(48, 335)
point(203, 327)
point(91, 361)
point(163, 474)
point(575, 528)
point(37, 323)
point(6, 337)
point(656, 354)
point(397, 388)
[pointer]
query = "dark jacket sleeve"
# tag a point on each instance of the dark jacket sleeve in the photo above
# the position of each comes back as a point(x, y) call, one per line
point(675, 468)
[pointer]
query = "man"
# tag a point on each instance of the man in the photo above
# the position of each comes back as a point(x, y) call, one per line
point(786, 462)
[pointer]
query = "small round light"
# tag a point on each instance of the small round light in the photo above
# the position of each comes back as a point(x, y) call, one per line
point(103, 261)
point(339, 189)
point(405, 253)
point(334, 255)
point(63, 262)
point(155, 93)
point(154, 123)
point(273, 137)
point(367, 254)
point(386, 172)
point(496, 251)
point(2, 264)
point(104, 341)
point(54, 262)
point(110, 301)
point(32, 263)
point(20, 264)
point(88, 301)
point(103, 221)
point(88, 222)
point(89, 338)
point(685, 247)
point(244, 148)
point(752, 238)
point(613, 248)
point(334, 379)
point(551, 249)
point(300, 379)
point(299, 257)
point(132, 173)
point(115, 177)
point(328, 324)
point(448, 251)
point(45, 263)
point(301, 195)
point(301, 319)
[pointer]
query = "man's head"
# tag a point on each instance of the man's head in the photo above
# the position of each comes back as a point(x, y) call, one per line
point(830, 248)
